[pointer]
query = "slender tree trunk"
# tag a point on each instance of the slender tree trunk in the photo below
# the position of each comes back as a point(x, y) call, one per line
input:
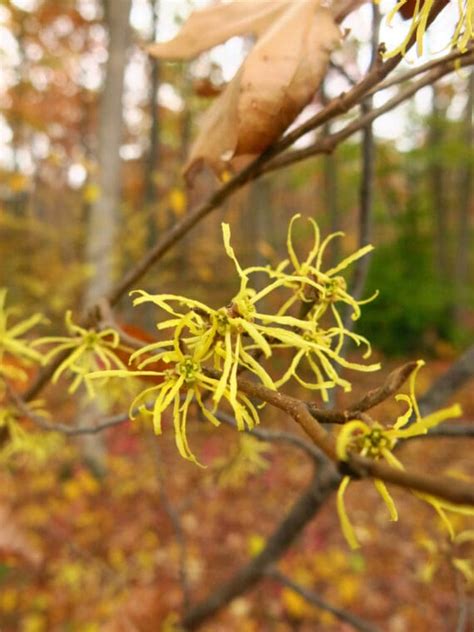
point(154, 147)
point(367, 181)
point(437, 180)
point(330, 192)
point(465, 203)
point(104, 213)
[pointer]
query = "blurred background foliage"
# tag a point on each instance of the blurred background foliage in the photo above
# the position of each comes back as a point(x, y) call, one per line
point(55, 54)
point(66, 533)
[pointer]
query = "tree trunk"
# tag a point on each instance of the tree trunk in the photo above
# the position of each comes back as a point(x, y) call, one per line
point(154, 147)
point(437, 180)
point(465, 202)
point(104, 213)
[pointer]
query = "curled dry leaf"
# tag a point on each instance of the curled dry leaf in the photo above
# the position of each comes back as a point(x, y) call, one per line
point(276, 81)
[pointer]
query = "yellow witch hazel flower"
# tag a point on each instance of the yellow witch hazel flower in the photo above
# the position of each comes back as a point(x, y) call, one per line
point(419, 11)
point(88, 349)
point(12, 345)
point(322, 356)
point(209, 347)
point(229, 334)
point(375, 441)
point(320, 291)
point(311, 284)
point(181, 380)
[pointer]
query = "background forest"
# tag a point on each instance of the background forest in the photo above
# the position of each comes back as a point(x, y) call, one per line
point(114, 531)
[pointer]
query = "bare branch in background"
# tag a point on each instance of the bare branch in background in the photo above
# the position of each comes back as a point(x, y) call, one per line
point(273, 436)
point(324, 482)
point(315, 600)
point(457, 430)
point(366, 187)
point(449, 382)
point(175, 520)
point(63, 428)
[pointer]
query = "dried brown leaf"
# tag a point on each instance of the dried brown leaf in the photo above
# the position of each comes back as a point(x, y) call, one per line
point(213, 25)
point(276, 81)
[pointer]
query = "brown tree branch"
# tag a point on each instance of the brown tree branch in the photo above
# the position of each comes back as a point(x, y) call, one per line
point(449, 489)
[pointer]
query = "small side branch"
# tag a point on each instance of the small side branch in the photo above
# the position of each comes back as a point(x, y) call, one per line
point(449, 489)
point(108, 422)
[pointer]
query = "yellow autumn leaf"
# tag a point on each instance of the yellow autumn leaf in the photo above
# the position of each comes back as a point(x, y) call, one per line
point(295, 605)
point(255, 544)
point(9, 598)
point(91, 193)
point(178, 201)
point(34, 622)
point(18, 182)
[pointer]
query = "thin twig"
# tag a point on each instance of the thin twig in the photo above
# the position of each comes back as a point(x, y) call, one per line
point(465, 430)
point(273, 436)
point(393, 382)
point(315, 600)
point(63, 428)
point(343, 72)
point(327, 144)
point(418, 70)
